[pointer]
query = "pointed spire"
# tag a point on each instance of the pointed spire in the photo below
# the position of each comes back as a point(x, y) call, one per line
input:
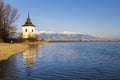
point(28, 18)
point(28, 14)
point(28, 21)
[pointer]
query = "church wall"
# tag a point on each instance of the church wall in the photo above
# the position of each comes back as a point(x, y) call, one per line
point(28, 32)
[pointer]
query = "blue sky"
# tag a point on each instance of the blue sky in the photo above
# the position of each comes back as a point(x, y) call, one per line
point(98, 17)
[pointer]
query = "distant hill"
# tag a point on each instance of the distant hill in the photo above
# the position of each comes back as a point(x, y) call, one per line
point(65, 36)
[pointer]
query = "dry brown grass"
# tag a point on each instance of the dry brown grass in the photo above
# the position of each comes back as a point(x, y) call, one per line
point(7, 50)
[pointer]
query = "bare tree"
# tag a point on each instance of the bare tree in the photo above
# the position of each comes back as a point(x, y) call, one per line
point(8, 16)
point(1, 18)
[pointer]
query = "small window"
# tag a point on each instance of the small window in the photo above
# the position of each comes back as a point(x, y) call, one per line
point(25, 30)
point(32, 30)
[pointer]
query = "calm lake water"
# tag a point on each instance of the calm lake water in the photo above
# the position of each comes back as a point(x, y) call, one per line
point(65, 61)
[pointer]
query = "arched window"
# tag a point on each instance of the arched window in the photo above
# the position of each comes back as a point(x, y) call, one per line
point(25, 30)
point(32, 30)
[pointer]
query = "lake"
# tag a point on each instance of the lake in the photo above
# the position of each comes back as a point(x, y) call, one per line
point(65, 61)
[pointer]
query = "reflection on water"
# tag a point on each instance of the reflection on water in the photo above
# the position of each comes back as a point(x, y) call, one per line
point(65, 61)
point(22, 64)
point(7, 68)
point(29, 56)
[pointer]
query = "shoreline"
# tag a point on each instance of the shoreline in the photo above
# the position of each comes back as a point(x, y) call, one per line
point(7, 49)
point(85, 41)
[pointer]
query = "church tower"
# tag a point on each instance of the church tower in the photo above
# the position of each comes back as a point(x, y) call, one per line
point(28, 29)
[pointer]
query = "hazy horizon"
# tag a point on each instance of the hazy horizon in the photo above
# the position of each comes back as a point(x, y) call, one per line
point(94, 17)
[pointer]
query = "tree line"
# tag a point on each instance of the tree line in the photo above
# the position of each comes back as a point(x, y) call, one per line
point(8, 16)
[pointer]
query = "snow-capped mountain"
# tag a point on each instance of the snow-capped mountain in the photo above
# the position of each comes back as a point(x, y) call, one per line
point(64, 36)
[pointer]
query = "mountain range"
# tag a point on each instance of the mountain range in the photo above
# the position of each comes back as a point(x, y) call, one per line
point(65, 36)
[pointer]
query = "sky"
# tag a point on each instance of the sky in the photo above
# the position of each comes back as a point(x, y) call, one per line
point(95, 17)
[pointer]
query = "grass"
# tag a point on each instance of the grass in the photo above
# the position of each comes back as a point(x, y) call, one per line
point(7, 50)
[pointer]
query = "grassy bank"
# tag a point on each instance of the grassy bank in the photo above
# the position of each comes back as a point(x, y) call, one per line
point(7, 50)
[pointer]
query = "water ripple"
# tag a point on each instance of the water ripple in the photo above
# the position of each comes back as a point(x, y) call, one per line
point(65, 61)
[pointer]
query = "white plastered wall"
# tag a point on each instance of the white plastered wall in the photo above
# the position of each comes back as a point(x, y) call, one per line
point(28, 32)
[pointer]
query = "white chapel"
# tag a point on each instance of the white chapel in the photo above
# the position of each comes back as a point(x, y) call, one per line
point(28, 29)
